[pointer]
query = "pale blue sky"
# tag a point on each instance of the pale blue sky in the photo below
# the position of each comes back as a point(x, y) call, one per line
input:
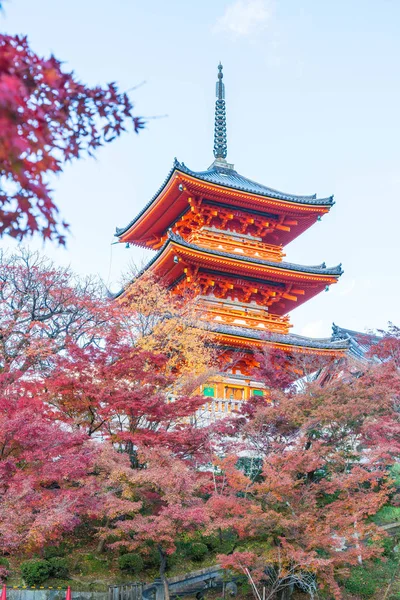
point(313, 97)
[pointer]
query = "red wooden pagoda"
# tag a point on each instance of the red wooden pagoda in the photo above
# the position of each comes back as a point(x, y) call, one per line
point(221, 236)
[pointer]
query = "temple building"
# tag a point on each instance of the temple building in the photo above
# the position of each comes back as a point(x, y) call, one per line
point(221, 238)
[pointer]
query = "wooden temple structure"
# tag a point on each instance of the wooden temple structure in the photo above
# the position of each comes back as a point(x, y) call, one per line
point(221, 237)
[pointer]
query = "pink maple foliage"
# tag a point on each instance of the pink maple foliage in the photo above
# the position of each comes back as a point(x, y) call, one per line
point(325, 456)
point(170, 506)
point(45, 482)
point(47, 117)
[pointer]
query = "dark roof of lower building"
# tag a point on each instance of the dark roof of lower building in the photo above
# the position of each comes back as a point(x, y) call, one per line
point(359, 343)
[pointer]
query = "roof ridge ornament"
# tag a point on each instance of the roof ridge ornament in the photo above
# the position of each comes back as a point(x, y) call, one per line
point(220, 141)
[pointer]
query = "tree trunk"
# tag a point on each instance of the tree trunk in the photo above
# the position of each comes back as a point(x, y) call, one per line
point(163, 566)
point(285, 593)
point(357, 543)
point(102, 542)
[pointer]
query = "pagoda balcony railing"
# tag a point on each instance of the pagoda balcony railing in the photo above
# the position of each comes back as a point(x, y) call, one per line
point(215, 409)
point(235, 244)
point(254, 319)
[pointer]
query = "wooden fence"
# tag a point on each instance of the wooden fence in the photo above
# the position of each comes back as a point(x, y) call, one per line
point(130, 591)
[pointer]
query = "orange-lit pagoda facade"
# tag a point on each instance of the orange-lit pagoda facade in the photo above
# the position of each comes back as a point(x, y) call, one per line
point(221, 237)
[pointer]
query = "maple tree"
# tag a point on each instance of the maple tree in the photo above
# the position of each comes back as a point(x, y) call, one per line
point(44, 467)
point(282, 370)
point(71, 370)
point(46, 484)
point(157, 505)
point(80, 350)
point(165, 323)
point(42, 307)
point(387, 348)
point(121, 392)
point(47, 117)
point(136, 385)
point(325, 453)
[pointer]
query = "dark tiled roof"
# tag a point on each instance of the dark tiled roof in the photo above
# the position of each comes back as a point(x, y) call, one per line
point(359, 343)
point(288, 338)
point(231, 179)
point(173, 237)
point(318, 269)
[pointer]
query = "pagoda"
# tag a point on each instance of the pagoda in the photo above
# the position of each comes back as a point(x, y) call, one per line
point(220, 237)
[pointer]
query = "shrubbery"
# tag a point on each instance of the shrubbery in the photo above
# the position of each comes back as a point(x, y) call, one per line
point(4, 568)
point(36, 571)
point(395, 474)
point(58, 567)
point(197, 551)
point(224, 546)
point(364, 581)
point(361, 583)
point(131, 563)
point(151, 558)
point(387, 514)
point(54, 551)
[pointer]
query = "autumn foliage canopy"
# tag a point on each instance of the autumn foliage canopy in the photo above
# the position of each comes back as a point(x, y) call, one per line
point(47, 117)
point(99, 424)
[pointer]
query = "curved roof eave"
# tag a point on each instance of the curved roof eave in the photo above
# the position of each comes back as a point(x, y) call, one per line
point(120, 230)
point(174, 238)
point(231, 179)
point(228, 177)
point(317, 270)
point(287, 338)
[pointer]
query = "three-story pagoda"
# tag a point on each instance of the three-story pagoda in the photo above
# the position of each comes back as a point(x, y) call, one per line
point(221, 237)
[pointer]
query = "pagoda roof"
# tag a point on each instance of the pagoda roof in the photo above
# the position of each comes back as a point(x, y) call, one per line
point(169, 262)
point(286, 266)
point(228, 177)
point(277, 339)
point(225, 185)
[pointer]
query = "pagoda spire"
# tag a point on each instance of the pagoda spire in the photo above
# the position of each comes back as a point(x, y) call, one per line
point(220, 144)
